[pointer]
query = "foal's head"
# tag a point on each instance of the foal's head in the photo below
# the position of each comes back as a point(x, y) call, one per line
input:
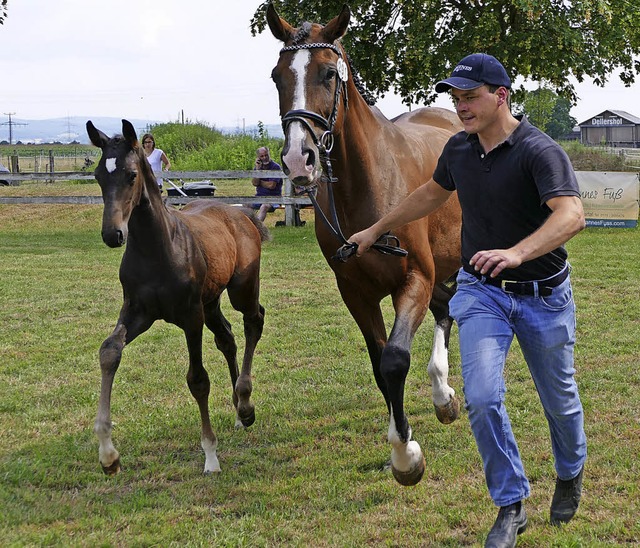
point(311, 77)
point(120, 176)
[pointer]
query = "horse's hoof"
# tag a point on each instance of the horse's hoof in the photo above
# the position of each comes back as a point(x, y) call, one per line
point(410, 477)
point(247, 416)
point(112, 469)
point(450, 412)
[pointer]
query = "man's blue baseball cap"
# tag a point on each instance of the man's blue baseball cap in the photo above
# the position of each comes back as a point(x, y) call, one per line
point(474, 71)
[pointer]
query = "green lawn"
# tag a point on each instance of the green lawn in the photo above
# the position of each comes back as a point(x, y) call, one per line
point(309, 472)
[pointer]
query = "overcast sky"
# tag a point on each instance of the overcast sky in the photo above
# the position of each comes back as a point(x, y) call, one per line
point(154, 59)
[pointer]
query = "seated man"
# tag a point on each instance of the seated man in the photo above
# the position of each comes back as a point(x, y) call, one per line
point(266, 187)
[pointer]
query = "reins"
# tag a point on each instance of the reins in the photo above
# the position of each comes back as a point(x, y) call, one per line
point(386, 244)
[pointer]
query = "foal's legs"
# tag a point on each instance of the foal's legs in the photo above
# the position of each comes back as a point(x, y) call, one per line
point(447, 405)
point(129, 326)
point(245, 298)
point(226, 343)
point(199, 386)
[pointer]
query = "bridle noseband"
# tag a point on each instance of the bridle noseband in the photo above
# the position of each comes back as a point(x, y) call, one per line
point(386, 244)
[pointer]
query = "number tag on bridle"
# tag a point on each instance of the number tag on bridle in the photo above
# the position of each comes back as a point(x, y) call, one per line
point(343, 72)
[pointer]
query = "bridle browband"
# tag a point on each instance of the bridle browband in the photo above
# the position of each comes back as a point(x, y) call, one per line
point(386, 244)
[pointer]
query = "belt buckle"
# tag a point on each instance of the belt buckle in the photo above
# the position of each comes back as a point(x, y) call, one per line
point(503, 285)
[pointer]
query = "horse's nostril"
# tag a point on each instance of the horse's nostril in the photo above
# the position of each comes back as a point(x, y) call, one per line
point(120, 236)
point(311, 157)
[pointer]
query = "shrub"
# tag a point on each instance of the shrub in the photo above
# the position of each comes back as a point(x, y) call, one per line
point(198, 147)
point(585, 158)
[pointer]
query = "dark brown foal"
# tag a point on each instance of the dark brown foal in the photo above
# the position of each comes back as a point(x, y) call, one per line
point(175, 267)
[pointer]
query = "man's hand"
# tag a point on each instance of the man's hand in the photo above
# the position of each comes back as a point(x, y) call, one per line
point(492, 262)
point(365, 239)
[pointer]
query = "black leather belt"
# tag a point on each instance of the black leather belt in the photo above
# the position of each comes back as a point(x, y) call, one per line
point(544, 287)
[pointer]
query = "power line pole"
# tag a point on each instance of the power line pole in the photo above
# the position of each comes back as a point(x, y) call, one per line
point(11, 123)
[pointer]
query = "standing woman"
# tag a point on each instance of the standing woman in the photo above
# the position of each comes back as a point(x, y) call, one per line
point(156, 157)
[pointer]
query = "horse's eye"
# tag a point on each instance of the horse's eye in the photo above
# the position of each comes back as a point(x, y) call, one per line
point(331, 74)
point(132, 177)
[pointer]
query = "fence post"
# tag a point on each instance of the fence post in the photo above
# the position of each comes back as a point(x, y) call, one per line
point(15, 166)
point(51, 167)
point(289, 213)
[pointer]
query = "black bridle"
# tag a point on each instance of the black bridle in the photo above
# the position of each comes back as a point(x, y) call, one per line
point(386, 244)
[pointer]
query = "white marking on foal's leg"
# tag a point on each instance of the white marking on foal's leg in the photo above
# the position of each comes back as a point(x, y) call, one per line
point(107, 453)
point(211, 463)
point(404, 456)
point(438, 369)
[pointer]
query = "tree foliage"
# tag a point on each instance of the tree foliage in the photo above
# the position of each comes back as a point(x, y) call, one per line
point(410, 45)
point(547, 111)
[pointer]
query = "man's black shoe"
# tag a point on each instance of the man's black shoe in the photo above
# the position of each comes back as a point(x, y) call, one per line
point(566, 499)
point(511, 521)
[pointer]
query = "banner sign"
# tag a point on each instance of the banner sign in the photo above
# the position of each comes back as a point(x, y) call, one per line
point(610, 199)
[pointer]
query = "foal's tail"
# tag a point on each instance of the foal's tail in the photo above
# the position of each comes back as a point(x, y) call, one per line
point(265, 235)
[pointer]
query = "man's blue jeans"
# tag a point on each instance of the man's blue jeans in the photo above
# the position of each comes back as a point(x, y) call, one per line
point(487, 319)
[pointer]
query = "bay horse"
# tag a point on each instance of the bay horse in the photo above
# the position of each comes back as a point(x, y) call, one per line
point(330, 129)
point(175, 267)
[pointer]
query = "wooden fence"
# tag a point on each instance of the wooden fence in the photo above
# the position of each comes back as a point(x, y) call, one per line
point(288, 200)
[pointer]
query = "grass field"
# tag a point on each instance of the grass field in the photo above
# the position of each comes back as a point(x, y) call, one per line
point(309, 472)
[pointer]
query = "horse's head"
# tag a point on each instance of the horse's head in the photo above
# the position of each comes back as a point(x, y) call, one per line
point(311, 77)
point(117, 175)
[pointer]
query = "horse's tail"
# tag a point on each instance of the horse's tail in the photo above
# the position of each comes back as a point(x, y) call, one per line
point(265, 235)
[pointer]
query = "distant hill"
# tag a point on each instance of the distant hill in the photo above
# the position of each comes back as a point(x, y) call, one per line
point(72, 128)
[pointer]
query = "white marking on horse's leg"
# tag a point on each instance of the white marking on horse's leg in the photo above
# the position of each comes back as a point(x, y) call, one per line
point(404, 456)
point(438, 369)
point(211, 463)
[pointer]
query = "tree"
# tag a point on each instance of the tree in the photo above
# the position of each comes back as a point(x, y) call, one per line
point(537, 106)
point(562, 123)
point(547, 111)
point(410, 45)
point(3, 11)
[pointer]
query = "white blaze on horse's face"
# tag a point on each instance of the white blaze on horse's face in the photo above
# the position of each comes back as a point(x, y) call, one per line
point(295, 158)
point(110, 164)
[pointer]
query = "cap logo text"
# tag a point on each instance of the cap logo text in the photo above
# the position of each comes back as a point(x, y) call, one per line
point(462, 67)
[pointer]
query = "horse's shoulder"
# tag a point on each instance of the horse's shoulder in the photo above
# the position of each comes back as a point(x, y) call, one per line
point(431, 116)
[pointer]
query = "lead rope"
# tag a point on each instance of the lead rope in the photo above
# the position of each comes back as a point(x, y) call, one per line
point(387, 244)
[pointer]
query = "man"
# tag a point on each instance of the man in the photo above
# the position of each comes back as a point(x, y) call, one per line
point(266, 187)
point(520, 204)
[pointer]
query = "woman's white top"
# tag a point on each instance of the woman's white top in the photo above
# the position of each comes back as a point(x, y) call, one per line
point(155, 160)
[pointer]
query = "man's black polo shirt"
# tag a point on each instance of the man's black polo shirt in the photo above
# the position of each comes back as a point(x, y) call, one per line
point(503, 193)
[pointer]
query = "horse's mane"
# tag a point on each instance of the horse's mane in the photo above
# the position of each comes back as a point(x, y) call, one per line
point(359, 83)
point(302, 33)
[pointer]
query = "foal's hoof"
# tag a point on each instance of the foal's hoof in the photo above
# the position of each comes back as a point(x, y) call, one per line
point(450, 412)
point(247, 415)
point(410, 477)
point(112, 469)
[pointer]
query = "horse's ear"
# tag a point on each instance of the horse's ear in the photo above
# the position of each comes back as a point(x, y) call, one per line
point(337, 27)
point(129, 133)
point(282, 30)
point(98, 138)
